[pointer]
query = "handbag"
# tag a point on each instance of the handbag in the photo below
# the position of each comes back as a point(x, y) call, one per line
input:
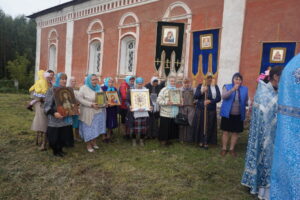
point(181, 120)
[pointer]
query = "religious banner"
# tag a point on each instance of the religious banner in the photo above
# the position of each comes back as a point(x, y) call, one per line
point(205, 52)
point(169, 43)
point(276, 53)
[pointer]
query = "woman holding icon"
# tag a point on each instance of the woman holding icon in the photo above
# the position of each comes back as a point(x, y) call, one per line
point(92, 117)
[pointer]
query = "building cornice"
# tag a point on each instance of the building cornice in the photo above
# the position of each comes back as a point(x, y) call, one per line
point(86, 9)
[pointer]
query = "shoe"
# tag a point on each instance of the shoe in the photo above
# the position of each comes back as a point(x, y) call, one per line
point(205, 147)
point(91, 150)
point(223, 152)
point(96, 147)
point(142, 143)
point(133, 142)
point(233, 153)
point(29, 107)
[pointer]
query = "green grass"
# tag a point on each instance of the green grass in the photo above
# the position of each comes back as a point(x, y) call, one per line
point(116, 171)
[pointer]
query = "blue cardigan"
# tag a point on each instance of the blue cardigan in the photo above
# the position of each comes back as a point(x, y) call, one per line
point(227, 103)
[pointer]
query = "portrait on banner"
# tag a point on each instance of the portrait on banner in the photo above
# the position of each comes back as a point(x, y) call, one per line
point(169, 36)
point(65, 101)
point(206, 41)
point(277, 55)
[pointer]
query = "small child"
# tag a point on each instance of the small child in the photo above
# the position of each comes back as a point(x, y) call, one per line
point(39, 88)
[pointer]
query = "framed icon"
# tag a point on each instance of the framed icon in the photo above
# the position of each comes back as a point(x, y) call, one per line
point(140, 99)
point(169, 36)
point(175, 97)
point(113, 98)
point(277, 55)
point(65, 101)
point(206, 41)
point(100, 99)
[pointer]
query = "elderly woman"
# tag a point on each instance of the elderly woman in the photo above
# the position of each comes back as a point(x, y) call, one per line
point(111, 111)
point(188, 109)
point(137, 120)
point(72, 83)
point(207, 96)
point(92, 117)
point(233, 112)
point(168, 129)
point(154, 90)
point(59, 128)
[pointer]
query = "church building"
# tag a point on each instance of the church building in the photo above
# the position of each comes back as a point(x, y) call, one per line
point(184, 38)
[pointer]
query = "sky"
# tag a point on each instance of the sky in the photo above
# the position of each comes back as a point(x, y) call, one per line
point(27, 7)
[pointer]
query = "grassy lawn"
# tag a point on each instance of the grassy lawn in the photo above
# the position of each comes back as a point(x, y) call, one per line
point(116, 171)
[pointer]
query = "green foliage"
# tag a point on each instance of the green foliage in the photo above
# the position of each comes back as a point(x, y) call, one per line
point(17, 37)
point(116, 171)
point(18, 71)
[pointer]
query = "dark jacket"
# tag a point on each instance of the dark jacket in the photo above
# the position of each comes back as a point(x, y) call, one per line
point(200, 97)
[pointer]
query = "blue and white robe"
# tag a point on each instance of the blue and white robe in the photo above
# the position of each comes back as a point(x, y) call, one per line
point(261, 141)
point(285, 178)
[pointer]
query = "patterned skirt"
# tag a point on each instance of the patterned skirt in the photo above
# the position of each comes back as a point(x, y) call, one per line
point(139, 128)
point(97, 127)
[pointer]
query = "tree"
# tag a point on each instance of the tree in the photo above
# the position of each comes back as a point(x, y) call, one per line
point(18, 71)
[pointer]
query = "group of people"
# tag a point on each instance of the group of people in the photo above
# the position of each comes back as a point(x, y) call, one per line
point(198, 108)
point(267, 157)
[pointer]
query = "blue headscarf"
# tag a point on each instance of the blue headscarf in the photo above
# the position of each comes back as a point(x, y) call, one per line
point(127, 79)
point(57, 80)
point(236, 75)
point(88, 82)
point(106, 80)
point(139, 80)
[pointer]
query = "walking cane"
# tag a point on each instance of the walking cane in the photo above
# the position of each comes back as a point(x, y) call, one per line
point(205, 117)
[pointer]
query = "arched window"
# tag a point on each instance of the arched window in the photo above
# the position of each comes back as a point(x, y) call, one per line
point(127, 61)
point(52, 49)
point(94, 57)
point(95, 47)
point(52, 57)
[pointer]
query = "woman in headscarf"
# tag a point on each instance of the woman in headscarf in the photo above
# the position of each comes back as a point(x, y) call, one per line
point(39, 124)
point(137, 121)
point(168, 129)
point(111, 111)
point(262, 135)
point(92, 117)
point(233, 112)
point(208, 95)
point(154, 90)
point(59, 130)
point(187, 109)
point(123, 90)
point(285, 172)
point(72, 84)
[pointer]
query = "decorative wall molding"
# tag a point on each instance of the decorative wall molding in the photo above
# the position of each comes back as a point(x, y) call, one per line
point(87, 9)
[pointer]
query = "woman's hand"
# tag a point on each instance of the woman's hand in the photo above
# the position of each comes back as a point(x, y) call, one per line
point(151, 108)
point(206, 102)
point(58, 115)
point(236, 87)
point(95, 106)
point(131, 109)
